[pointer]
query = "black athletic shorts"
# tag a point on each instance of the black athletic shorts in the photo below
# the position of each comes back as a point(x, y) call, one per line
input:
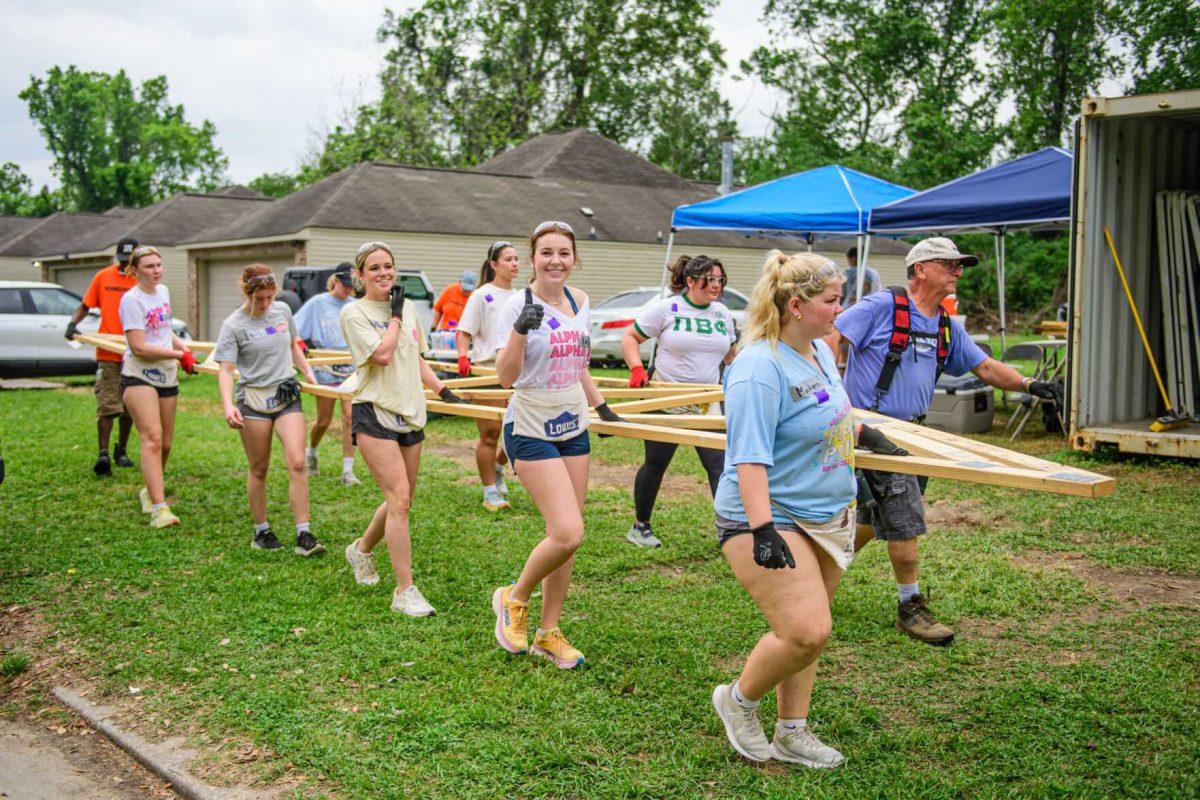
point(163, 391)
point(364, 421)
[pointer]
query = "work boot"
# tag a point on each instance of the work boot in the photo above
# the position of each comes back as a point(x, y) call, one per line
point(121, 458)
point(915, 619)
point(103, 465)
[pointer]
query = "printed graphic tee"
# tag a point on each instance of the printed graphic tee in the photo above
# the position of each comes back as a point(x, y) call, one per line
point(105, 291)
point(692, 340)
point(450, 304)
point(150, 313)
point(319, 321)
point(481, 319)
point(261, 347)
point(794, 419)
point(396, 386)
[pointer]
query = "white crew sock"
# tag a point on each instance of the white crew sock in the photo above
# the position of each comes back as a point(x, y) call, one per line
point(157, 506)
point(310, 451)
point(491, 487)
point(301, 527)
point(801, 722)
point(740, 699)
point(907, 591)
point(262, 526)
point(348, 464)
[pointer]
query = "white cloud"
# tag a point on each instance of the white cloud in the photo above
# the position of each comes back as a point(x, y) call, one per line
point(270, 74)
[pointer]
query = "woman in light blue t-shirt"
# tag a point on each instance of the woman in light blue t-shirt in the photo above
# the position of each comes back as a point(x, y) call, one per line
point(785, 502)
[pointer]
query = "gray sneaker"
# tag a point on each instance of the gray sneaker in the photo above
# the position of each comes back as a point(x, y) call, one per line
point(501, 486)
point(642, 535)
point(310, 462)
point(801, 746)
point(742, 726)
point(350, 479)
point(412, 603)
point(363, 565)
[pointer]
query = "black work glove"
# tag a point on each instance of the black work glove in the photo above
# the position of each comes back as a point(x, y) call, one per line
point(876, 442)
point(770, 550)
point(449, 396)
point(531, 315)
point(608, 415)
point(1046, 391)
point(72, 329)
point(397, 295)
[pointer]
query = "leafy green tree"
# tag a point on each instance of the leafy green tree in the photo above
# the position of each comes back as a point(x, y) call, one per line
point(1049, 55)
point(117, 144)
point(16, 197)
point(879, 85)
point(1164, 40)
point(464, 79)
point(275, 184)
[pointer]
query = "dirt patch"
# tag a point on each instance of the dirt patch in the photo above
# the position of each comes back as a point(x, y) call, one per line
point(973, 513)
point(1142, 589)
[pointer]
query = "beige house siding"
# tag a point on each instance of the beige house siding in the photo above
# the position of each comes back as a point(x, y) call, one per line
point(212, 272)
point(18, 268)
point(607, 267)
point(67, 272)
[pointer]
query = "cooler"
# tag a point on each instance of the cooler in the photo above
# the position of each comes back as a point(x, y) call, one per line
point(961, 405)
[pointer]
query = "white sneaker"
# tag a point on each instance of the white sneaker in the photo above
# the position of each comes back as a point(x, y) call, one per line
point(363, 565)
point(411, 602)
point(493, 500)
point(501, 486)
point(801, 746)
point(310, 462)
point(350, 479)
point(742, 726)
point(144, 499)
point(642, 536)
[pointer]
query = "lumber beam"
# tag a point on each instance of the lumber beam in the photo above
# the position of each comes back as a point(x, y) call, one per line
point(672, 401)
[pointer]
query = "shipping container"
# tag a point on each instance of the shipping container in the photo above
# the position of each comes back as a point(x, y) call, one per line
point(1128, 149)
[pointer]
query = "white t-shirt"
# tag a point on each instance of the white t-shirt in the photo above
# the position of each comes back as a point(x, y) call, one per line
point(481, 319)
point(692, 340)
point(150, 313)
point(557, 352)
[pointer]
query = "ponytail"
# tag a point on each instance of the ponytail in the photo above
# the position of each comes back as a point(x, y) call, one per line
point(687, 267)
point(487, 272)
point(803, 275)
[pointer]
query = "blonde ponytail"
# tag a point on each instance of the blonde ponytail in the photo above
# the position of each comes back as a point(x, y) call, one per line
point(803, 275)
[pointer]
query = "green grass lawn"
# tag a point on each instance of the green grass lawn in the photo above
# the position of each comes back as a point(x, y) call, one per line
point(1059, 685)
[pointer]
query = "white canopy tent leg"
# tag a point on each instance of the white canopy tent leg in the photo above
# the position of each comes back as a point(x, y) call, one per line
point(864, 259)
point(662, 286)
point(1000, 253)
point(858, 270)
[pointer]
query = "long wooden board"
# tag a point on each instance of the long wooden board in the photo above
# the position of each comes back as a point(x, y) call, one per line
point(671, 401)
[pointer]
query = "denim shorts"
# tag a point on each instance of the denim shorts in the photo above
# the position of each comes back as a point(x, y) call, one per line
point(527, 448)
point(163, 391)
point(729, 528)
point(364, 421)
point(249, 413)
point(899, 509)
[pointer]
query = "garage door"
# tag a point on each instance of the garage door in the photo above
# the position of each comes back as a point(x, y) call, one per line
point(75, 280)
point(223, 294)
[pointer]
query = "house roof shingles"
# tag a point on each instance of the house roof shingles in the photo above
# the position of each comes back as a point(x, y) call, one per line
point(54, 234)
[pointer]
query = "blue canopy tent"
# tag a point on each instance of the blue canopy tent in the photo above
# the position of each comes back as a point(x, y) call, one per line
point(1029, 192)
point(825, 200)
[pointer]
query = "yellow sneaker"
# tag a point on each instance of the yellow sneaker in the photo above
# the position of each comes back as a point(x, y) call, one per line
point(554, 646)
point(162, 518)
point(493, 500)
point(144, 499)
point(512, 621)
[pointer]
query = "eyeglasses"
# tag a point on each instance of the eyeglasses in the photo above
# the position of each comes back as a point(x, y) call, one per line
point(711, 280)
point(496, 248)
point(545, 226)
point(950, 266)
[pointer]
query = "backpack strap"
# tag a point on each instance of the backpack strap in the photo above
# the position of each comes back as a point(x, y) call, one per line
point(943, 341)
point(901, 334)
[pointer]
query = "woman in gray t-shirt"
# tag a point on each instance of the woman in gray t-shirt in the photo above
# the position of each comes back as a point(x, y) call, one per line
point(259, 341)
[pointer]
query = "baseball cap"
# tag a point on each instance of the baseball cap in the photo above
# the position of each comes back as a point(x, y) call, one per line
point(125, 248)
point(468, 280)
point(342, 273)
point(935, 248)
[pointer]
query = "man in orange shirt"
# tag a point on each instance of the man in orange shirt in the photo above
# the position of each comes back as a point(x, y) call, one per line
point(449, 306)
point(107, 288)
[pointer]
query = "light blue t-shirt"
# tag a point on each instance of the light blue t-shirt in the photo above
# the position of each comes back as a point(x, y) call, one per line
point(868, 327)
point(318, 321)
point(784, 413)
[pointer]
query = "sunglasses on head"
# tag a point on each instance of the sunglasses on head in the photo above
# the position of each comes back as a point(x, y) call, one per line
point(545, 226)
point(496, 248)
point(367, 247)
point(259, 281)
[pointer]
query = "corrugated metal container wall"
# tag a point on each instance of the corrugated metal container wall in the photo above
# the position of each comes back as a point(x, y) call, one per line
point(1127, 160)
point(607, 267)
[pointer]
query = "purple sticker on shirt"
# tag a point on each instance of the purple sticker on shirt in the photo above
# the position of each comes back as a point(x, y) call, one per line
point(553, 324)
point(822, 396)
point(674, 307)
point(270, 330)
point(488, 298)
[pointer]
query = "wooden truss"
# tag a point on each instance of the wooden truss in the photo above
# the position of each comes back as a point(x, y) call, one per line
point(934, 453)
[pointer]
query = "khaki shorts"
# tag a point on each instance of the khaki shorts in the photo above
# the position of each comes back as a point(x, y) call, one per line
point(108, 390)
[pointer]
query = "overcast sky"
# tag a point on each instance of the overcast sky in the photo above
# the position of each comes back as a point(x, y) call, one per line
point(270, 74)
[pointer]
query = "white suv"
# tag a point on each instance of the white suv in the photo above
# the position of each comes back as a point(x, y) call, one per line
point(33, 321)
